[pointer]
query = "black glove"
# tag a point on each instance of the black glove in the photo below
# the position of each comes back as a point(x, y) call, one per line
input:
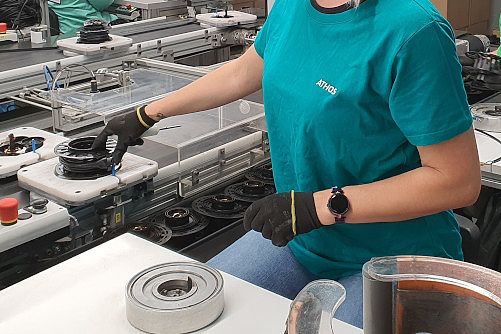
point(129, 127)
point(272, 217)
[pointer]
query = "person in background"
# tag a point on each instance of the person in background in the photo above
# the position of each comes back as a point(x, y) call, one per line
point(73, 13)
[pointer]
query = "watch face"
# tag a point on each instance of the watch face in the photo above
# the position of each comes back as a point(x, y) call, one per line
point(338, 204)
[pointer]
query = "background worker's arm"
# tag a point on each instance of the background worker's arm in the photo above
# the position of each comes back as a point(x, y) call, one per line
point(449, 178)
point(100, 5)
point(228, 83)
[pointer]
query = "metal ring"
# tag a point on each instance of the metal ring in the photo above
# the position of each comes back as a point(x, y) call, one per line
point(174, 298)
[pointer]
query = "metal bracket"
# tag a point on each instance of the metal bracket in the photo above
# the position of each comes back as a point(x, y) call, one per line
point(235, 37)
point(129, 64)
point(138, 50)
point(168, 56)
point(188, 182)
point(159, 46)
point(221, 158)
point(195, 177)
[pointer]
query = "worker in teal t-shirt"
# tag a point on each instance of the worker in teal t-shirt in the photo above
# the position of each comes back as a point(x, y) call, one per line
point(371, 141)
point(72, 13)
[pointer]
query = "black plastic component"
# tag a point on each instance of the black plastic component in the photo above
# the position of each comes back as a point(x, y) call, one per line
point(20, 144)
point(220, 206)
point(24, 216)
point(250, 190)
point(78, 161)
point(94, 31)
point(263, 174)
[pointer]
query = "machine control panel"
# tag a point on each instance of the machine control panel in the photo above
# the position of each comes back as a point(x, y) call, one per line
point(39, 218)
point(127, 12)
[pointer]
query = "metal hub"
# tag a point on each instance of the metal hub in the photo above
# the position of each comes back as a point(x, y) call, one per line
point(220, 206)
point(20, 144)
point(249, 191)
point(176, 297)
point(156, 232)
point(263, 174)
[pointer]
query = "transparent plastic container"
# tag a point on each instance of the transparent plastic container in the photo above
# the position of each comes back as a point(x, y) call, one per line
point(146, 86)
point(313, 308)
point(207, 141)
point(420, 294)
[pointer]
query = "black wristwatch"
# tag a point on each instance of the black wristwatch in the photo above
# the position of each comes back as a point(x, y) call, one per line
point(338, 205)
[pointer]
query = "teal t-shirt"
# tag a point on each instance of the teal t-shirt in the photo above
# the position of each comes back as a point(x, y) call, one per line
point(73, 13)
point(348, 97)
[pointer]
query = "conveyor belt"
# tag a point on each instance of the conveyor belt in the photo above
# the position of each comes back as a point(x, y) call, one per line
point(15, 59)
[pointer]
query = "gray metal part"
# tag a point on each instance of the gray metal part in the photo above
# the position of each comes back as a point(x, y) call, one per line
point(483, 121)
point(149, 311)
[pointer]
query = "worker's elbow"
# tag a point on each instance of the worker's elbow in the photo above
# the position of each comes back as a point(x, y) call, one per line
point(469, 192)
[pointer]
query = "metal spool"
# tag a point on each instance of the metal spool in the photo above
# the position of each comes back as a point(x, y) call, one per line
point(220, 206)
point(174, 298)
point(487, 116)
point(263, 174)
point(78, 161)
point(250, 190)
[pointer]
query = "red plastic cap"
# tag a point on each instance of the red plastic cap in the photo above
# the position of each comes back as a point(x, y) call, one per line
point(3, 28)
point(8, 211)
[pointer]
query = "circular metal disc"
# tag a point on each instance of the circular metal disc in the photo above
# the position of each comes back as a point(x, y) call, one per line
point(486, 117)
point(263, 174)
point(237, 190)
point(204, 206)
point(172, 298)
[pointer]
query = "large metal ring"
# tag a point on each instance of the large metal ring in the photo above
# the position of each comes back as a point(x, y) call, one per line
point(174, 298)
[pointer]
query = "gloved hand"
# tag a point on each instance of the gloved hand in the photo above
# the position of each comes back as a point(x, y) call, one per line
point(129, 127)
point(272, 216)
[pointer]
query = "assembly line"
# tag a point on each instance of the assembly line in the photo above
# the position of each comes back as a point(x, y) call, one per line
point(312, 166)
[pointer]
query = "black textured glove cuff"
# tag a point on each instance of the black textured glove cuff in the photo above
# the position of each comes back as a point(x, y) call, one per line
point(306, 214)
point(144, 119)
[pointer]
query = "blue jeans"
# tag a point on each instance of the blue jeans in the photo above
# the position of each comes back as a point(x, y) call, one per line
point(255, 260)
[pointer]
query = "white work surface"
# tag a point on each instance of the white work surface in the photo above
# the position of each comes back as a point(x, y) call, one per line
point(488, 150)
point(86, 294)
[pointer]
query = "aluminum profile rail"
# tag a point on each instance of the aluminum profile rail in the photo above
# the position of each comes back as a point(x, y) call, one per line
point(13, 81)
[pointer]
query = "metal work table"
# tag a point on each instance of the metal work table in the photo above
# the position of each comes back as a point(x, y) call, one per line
point(86, 294)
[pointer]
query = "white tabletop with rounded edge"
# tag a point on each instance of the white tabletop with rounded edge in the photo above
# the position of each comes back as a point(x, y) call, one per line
point(86, 294)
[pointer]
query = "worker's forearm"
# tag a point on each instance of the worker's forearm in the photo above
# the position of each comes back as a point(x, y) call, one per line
point(226, 84)
point(421, 192)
